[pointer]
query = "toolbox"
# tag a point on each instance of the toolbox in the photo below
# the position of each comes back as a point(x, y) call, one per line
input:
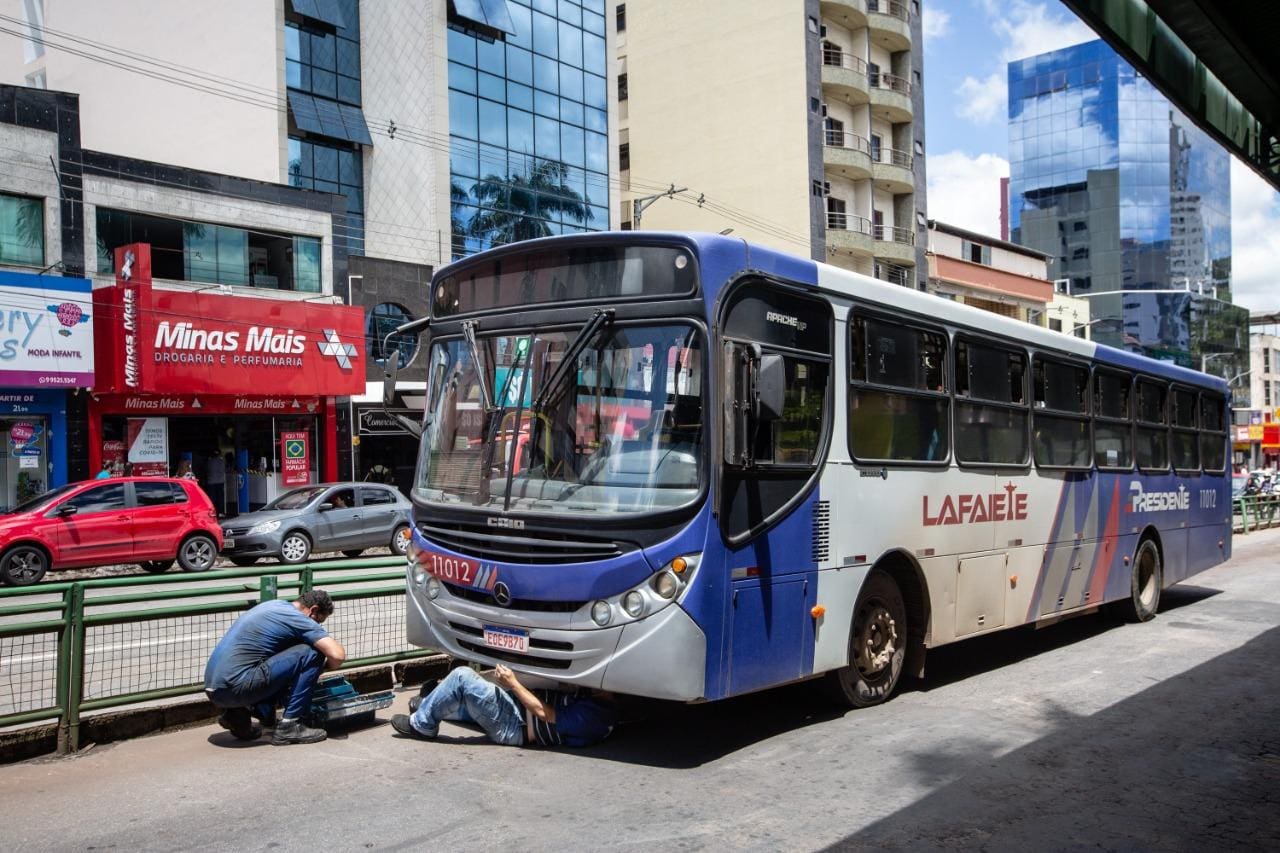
point(335, 702)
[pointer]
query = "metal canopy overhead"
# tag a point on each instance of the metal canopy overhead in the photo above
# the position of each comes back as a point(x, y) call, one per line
point(1215, 59)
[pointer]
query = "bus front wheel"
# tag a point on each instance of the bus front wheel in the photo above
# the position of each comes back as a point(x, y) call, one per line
point(877, 645)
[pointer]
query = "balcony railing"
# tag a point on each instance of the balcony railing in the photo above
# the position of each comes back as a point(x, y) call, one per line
point(894, 274)
point(893, 157)
point(846, 140)
point(892, 82)
point(848, 222)
point(891, 234)
point(889, 7)
point(840, 59)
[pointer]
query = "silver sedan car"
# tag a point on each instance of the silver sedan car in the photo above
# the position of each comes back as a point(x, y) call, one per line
point(346, 517)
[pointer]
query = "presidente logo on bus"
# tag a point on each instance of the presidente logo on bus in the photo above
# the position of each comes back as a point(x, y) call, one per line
point(1141, 500)
point(1008, 505)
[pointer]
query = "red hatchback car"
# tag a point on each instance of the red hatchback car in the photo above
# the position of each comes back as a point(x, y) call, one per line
point(147, 520)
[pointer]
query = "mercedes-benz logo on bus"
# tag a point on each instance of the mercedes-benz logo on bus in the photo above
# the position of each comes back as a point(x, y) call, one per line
point(502, 594)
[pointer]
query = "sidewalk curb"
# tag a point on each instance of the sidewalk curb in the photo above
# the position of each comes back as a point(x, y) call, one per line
point(112, 726)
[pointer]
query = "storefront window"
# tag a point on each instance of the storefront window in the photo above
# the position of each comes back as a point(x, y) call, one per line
point(23, 459)
point(306, 264)
point(21, 231)
point(380, 338)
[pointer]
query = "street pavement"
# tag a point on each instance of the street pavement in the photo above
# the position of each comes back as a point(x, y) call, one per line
point(1086, 734)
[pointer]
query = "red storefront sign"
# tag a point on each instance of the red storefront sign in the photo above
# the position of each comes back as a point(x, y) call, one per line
point(185, 342)
point(208, 404)
point(295, 459)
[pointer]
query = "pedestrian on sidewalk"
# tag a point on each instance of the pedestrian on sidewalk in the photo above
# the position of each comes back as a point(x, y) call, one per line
point(273, 655)
point(509, 713)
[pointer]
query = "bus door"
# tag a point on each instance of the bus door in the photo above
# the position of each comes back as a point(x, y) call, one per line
point(776, 374)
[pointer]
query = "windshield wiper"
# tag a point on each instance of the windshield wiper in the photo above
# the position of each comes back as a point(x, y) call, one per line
point(469, 332)
point(599, 320)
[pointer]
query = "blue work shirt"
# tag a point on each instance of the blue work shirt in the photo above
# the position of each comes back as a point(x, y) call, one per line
point(580, 720)
point(267, 629)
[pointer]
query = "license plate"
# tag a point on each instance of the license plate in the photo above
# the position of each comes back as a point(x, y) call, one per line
point(228, 543)
point(507, 639)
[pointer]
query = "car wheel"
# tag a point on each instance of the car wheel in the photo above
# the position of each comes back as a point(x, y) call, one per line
point(401, 539)
point(353, 552)
point(23, 565)
point(197, 553)
point(156, 567)
point(295, 547)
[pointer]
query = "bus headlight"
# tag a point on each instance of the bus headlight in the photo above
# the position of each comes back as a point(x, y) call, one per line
point(433, 588)
point(601, 613)
point(633, 603)
point(419, 575)
point(666, 585)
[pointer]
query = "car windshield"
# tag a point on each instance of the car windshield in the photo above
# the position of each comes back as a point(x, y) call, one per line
point(618, 431)
point(296, 499)
point(41, 500)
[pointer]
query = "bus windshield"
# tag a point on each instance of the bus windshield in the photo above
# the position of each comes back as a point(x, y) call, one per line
point(618, 432)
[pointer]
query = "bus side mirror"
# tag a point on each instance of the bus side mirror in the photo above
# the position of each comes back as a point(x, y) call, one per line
point(389, 378)
point(770, 388)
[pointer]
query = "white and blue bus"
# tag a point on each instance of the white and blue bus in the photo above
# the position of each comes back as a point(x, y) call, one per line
point(688, 467)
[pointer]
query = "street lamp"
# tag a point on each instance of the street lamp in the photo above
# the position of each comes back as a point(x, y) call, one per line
point(1205, 358)
point(638, 205)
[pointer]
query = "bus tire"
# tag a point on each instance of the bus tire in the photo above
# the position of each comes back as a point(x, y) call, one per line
point(877, 645)
point(1146, 579)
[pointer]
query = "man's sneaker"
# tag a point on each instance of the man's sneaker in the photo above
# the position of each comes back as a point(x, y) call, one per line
point(423, 692)
point(239, 723)
point(294, 731)
point(400, 722)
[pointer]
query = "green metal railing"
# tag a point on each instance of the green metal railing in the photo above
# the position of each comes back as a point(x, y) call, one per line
point(1255, 512)
point(67, 649)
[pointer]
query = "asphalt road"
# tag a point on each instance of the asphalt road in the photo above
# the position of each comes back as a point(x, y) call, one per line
point(1088, 734)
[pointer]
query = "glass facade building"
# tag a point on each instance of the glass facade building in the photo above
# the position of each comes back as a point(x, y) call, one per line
point(322, 61)
point(528, 124)
point(1130, 200)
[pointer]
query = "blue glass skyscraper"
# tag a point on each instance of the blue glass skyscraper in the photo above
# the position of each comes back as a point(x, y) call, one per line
point(1131, 201)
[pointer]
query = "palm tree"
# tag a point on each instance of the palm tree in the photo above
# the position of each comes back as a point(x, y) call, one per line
point(515, 208)
point(457, 228)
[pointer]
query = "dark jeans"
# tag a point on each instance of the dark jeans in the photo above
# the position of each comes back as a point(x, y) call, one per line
point(287, 677)
point(218, 494)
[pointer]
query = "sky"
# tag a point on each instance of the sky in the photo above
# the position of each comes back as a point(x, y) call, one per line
point(967, 47)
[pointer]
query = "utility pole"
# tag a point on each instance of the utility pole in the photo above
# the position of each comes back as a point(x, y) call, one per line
point(638, 205)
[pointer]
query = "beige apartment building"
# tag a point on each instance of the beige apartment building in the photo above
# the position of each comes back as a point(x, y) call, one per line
point(795, 123)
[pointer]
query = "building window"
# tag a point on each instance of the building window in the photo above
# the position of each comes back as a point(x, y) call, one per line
point(876, 144)
point(380, 336)
point(21, 231)
point(624, 156)
point(183, 250)
point(975, 253)
point(323, 63)
point(1055, 324)
point(315, 165)
point(622, 17)
point(837, 215)
point(622, 87)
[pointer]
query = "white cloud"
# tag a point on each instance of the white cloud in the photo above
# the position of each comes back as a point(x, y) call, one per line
point(1028, 28)
point(1255, 240)
point(983, 101)
point(934, 22)
point(965, 191)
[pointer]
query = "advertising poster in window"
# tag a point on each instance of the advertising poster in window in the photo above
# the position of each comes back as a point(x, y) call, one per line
point(295, 461)
point(149, 447)
point(113, 457)
point(46, 339)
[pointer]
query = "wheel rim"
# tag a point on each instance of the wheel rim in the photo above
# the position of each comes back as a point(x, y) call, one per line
point(401, 543)
point(293, 548)
point(198, 553)
point(876, 640)
point(26, 565)
point(1147, 586)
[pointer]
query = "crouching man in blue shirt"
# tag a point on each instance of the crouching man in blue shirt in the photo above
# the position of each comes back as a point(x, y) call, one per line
point(273, 655)
point(510, 713)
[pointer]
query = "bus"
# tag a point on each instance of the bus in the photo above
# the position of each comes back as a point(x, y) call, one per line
point(687, 467)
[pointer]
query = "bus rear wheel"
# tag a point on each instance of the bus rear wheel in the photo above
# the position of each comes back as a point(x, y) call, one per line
point(877, 645)
point(1145, 582)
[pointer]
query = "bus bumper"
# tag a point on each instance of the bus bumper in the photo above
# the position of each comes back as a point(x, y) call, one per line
point(662, 656)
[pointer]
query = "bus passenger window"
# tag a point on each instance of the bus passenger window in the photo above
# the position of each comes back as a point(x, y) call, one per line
point(991, 425)
point(1112, 431)
point(1060, 426)
point(1151, 439)
point(1184, 446)
point(1213, 433)
point(794, 439)
point(898, 408)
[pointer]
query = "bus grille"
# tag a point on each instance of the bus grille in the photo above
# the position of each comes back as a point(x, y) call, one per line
point(821, 531)
point(481, 597)
point(488, 543)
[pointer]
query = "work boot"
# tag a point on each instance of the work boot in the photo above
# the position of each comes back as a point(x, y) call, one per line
point(239, 723)
point(400, 722)
point(295, 731)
